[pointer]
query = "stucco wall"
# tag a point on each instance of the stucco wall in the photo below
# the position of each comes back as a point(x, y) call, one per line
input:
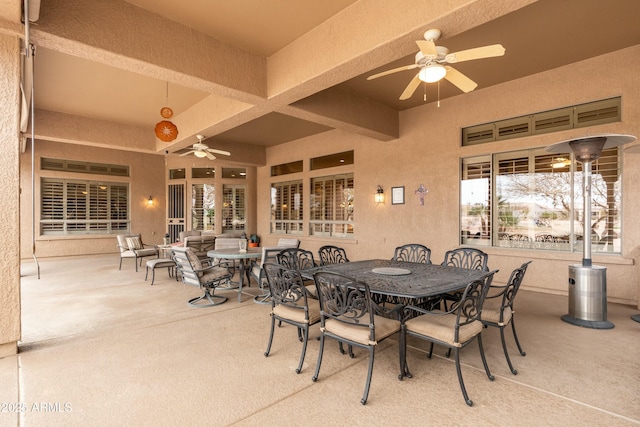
point(147, 178)
point(428, 152)
point(9, 214)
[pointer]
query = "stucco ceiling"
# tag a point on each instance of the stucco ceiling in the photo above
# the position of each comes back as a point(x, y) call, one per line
point(541, 36)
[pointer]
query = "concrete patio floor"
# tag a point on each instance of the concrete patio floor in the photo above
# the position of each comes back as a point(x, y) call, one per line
point(101, 347)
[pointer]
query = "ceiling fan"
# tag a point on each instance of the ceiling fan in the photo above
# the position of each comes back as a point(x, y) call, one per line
point(202, 150)
point(432, 60)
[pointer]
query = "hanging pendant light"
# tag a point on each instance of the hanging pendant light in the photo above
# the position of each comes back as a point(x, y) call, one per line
point(165, 130)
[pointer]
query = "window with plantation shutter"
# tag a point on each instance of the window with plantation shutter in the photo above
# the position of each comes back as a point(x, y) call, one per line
point(332, 206)
point(71, 207)
point(534, 200)
point(233, 208)
point(203, 207)
point(286, 207)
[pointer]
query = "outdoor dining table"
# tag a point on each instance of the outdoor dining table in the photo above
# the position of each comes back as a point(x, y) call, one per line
point(241, 256)
point(403, 280)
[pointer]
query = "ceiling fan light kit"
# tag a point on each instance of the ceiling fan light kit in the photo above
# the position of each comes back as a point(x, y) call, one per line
point(202, 150)
point(431, 61)
point(432, 73)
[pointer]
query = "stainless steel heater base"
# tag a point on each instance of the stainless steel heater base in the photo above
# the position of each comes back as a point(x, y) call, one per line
point(588, 297)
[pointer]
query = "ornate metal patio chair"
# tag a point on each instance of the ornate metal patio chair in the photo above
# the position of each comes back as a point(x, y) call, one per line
point(268, 255)
point(332, 255)
point(207, 278)
point(498, 308)
point(298, 259)
point(454, 329)
point(290, 304)
point(131, 246)
point(348, 314)
point(470, 258)
point(412, 252)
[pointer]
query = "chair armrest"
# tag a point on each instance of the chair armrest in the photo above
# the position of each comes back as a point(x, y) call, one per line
point(409, 311)
point(503, 289)
point(392, 313)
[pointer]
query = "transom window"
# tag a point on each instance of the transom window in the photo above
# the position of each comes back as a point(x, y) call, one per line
point(533, 199)
point(83, 207)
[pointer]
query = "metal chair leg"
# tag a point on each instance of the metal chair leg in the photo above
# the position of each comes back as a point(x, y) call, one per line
point(208, 295)
point(506, 352)
point(456, 353)
point(367, 386)
point(515, 336)
point(304, 349)
point(273, 326)
point(314, 378)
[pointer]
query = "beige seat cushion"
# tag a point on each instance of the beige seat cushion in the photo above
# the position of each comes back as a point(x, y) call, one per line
point(297, 315)
point(146, 252)
point(442, 328)
point(214, 274)
point(359, 334)
point(311, 291)
point(491, 312)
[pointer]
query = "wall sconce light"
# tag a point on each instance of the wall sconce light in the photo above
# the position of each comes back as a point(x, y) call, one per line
point(379, 196)
point(150, 201)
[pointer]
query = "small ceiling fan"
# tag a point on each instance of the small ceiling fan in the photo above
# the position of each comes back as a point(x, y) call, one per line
point(202, 150)
point(431, 60)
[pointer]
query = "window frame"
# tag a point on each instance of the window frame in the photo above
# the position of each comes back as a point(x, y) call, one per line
point(203, 218)
point(230, 208)
point(73, 207)
point(324, 209)
point(287, 216)
point(547, 221)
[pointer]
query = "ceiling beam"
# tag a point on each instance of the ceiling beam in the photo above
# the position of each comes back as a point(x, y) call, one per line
point(119, 34)
point(348, 111)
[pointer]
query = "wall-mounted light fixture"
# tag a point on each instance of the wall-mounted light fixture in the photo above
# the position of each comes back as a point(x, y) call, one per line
point(379, 196)
point(150, 201)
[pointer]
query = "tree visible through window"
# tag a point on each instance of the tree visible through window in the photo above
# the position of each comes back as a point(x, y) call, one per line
point(203, 207)
point(538, 201)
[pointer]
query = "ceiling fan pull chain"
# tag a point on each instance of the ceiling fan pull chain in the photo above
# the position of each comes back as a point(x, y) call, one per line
point(438, 94)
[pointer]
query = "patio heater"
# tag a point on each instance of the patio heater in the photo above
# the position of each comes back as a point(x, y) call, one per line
point(587, 282)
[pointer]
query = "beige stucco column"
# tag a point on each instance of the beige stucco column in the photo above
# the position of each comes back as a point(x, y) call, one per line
point(9, 195)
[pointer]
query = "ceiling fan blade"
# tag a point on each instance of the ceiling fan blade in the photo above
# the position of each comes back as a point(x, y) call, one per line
point(411, 87)
point(463, 82)
point(475, 53)
point(224, 153)
point(395, 70)
point(188, 152)
point(428, 48)
point(210, 156)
